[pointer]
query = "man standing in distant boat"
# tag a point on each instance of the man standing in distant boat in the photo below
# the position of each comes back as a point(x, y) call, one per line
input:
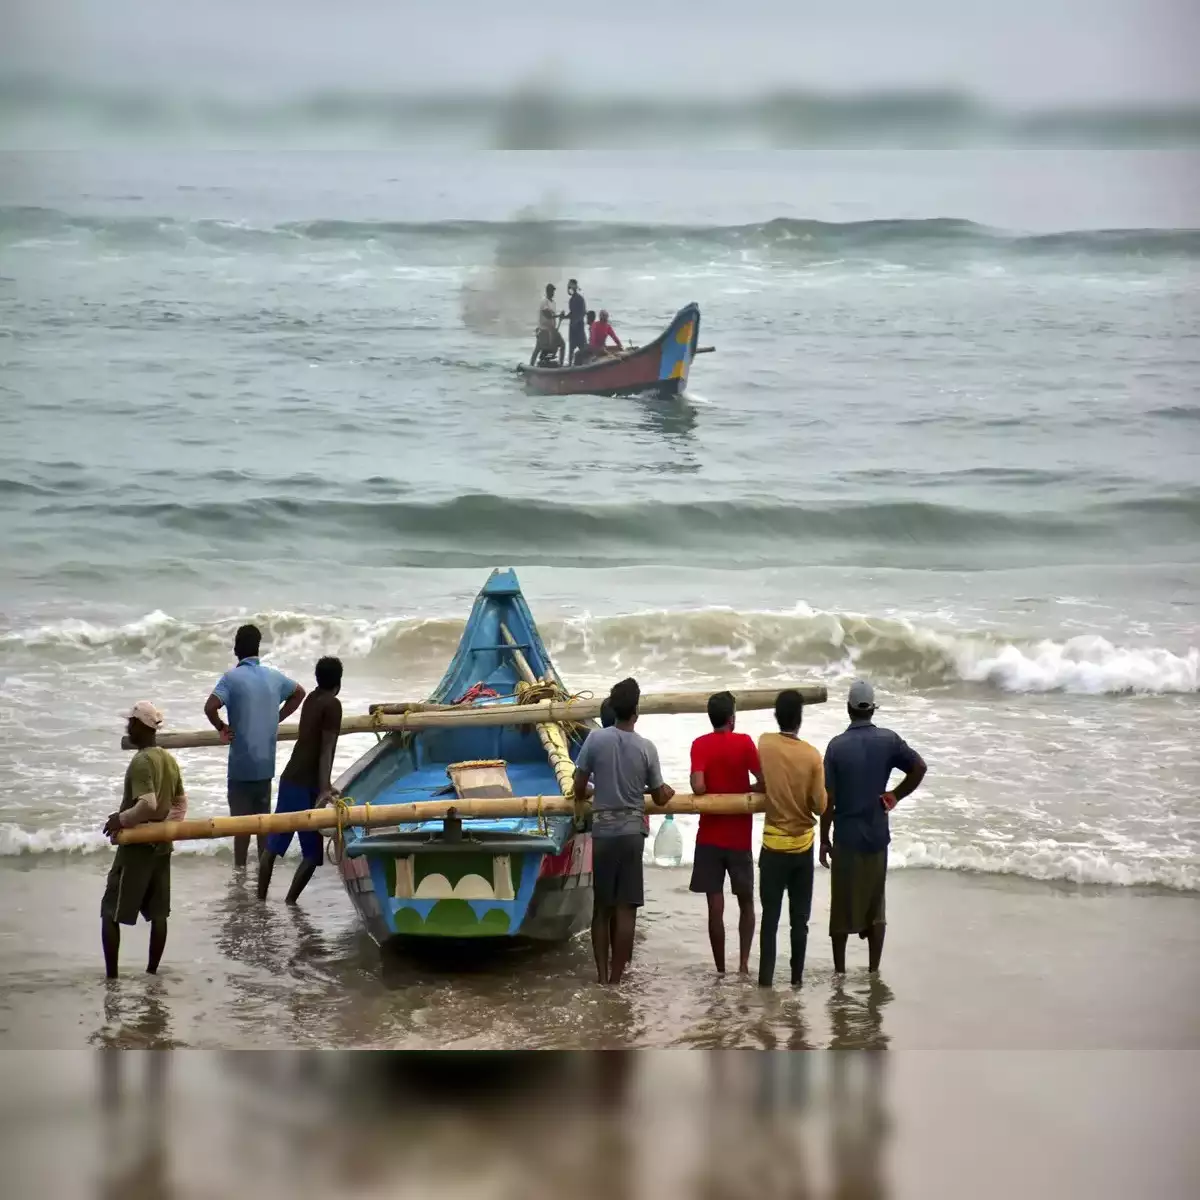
point(795, 783)
point(307, 780)
point(624, 766)
point(251, 693)
point(140, 878)
point(548, 340)
point(858, 766)
point(576, 315)
point(723, 762)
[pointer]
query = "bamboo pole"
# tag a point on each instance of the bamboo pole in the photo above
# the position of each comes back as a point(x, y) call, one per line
point(483, 715)
point(370, 815)
point(552, 736)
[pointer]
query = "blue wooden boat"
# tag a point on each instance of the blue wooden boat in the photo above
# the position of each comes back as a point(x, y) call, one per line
point(517, 878)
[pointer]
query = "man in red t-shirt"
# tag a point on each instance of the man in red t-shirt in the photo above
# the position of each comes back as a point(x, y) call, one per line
point(723, 762)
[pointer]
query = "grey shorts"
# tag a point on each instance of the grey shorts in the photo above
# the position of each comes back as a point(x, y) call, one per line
point(617, 870)
point(249, 797)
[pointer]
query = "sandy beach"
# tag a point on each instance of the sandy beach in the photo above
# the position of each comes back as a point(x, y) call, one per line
point(972, 963)
point(1021, 1019)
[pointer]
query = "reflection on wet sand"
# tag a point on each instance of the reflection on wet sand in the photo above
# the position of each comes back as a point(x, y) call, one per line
point(611, 1126)
point(136, 1017)
point(134, 1123)
point(856, 1014)
point(656, 1124)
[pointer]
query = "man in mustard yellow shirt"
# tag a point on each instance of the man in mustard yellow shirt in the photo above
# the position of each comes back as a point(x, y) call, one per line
point(794, 776)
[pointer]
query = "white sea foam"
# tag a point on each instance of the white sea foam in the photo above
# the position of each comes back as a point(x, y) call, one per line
point(16, 841)
point(1039, 862)
point(1078, 865)
point(694, 641)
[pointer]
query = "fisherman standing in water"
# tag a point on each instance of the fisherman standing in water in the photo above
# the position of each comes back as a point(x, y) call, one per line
point(858, 765)
point(140, 878)
point(624, 766)
point(251, 693)
point(306, 782)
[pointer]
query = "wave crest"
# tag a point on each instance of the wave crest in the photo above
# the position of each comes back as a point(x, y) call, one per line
point(530, 241)
point(698, 645)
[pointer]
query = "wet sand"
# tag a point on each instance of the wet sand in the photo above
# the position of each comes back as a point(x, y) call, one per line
point(972, 962)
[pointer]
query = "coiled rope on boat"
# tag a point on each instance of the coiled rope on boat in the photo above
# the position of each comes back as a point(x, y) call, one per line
point(337, 839)
point(549, 689)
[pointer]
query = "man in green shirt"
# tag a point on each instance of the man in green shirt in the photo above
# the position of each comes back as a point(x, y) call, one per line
point(140, 878)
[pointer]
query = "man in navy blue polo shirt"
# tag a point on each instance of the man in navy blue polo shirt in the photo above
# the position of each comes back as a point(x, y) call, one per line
point(858, 765)
point(252, 694)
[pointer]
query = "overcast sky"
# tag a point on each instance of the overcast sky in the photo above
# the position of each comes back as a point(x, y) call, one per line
point(1017, 51)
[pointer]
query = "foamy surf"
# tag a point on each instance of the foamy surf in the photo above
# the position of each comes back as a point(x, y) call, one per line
point(1074, 865)
point(687, 645)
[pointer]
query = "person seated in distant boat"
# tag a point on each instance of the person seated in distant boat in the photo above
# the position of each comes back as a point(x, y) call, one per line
point(602, 332)
point(584, 353)
point(549, 345)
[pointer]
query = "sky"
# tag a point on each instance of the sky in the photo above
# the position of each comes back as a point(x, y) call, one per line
point(1019, 53)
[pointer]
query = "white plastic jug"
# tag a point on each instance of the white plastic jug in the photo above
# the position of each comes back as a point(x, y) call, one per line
point(668, 844)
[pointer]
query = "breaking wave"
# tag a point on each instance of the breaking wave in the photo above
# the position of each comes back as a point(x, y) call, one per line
point(16, 841)
point(698, 645)
point(531, 240)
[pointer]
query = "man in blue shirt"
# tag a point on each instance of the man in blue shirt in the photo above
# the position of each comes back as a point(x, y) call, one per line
point(858, 765)
point(251, 693)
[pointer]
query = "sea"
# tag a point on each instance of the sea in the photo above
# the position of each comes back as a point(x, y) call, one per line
point(948, 441)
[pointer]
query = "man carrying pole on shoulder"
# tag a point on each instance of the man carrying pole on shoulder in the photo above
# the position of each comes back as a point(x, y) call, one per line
point(624, 766)
point(140, 878)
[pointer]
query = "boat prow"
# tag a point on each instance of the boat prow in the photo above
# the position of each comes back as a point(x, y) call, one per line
point(661, 367)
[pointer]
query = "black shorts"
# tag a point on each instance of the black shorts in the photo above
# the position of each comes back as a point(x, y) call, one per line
point(249, 797)
point(139, 882)
point(617, 870)
point(712, 863)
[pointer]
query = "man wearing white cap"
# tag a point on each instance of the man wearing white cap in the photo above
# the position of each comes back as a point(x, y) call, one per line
point(858, 766)
point(140, 878)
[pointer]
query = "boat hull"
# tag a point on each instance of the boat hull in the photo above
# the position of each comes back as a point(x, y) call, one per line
point(661, 368)
point(550, 898)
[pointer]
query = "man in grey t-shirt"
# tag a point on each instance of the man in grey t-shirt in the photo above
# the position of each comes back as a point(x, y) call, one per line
point(624, 766)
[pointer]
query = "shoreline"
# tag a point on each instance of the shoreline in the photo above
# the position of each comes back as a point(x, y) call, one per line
point(971, 962)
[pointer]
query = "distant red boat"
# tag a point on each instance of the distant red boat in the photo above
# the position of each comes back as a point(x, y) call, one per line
point(660, 367)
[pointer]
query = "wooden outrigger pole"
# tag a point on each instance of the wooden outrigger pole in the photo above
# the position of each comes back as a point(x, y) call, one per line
point(370, 815)
point(544, 712)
